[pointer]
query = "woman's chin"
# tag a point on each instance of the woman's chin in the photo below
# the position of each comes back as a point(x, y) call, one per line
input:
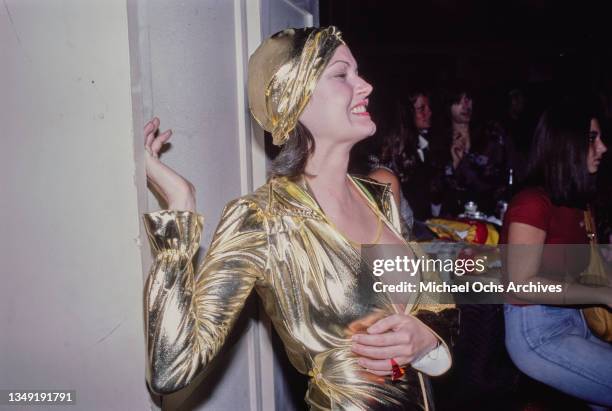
point(372, 130)
point(367, 129)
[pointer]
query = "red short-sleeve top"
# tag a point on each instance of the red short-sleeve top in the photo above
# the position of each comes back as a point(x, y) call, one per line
point(563, 225)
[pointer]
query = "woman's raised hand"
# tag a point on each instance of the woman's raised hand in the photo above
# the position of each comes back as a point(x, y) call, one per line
point(458, 149)
point(175, 190)
point(400, 337)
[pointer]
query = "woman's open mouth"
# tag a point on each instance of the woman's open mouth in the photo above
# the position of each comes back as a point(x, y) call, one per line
point(361, 109)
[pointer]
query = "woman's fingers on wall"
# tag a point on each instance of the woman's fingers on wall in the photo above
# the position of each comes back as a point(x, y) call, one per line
point(160, 140)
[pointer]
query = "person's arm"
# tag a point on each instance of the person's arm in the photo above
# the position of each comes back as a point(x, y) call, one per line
point(174, 190)
point(385, 176)
point(443, 321)
point(459, 148)
point(188, 316)
point(409, 338)
point(523, 258)
point(441, 317)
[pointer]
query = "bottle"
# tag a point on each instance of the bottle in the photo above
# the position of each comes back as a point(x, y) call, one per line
point(502, 204)
point(510, 181)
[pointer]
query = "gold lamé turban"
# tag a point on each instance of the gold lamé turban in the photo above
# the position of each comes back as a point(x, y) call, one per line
point(283, 72)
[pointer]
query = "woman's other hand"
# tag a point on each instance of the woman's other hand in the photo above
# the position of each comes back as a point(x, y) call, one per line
point(175, 190)
point(399, 336)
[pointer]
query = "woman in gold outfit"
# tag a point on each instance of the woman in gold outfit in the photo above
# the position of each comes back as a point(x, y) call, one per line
point(296, 241)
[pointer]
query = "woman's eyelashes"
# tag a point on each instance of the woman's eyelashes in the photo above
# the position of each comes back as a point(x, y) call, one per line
point(345, 74)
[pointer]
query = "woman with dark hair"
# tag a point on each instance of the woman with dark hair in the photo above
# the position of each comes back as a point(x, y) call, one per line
point(476, 163)
point(543, 228)
point(297, 241)
point(405, 159)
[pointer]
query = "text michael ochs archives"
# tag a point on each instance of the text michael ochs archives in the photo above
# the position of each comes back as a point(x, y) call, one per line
point(402, 266)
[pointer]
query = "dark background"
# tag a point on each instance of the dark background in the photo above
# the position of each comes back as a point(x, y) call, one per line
point(543, 47)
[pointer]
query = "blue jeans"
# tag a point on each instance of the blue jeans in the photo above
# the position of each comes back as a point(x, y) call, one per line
point(555, 346)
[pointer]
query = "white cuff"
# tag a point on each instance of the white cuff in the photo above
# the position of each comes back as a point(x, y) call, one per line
point(435, 362)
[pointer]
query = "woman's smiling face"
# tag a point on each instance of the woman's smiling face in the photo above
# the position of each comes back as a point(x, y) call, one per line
point(338, 106)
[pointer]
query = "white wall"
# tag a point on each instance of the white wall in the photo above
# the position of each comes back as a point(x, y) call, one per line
point(192, 57)
point(71, 291)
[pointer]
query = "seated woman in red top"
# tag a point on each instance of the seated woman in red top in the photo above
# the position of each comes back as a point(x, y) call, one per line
point(552, 343)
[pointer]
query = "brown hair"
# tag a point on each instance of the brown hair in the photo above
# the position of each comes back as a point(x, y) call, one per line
point(293, 156)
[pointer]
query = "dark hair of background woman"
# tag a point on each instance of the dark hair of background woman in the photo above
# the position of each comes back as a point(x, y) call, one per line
point(448, 95)
point(558, 154)
point(399, 131)
point(396, 133)
point(481, 132)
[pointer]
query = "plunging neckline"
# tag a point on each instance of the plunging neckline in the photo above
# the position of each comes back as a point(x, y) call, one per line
point(371, 204)
point(365, 195)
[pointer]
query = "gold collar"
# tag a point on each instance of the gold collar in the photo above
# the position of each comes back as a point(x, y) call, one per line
point(294, 197)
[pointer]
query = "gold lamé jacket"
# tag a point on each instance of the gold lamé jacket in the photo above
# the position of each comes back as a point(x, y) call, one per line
point(279, 242)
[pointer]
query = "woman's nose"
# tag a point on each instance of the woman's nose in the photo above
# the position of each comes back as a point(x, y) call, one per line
point(601, 147)
point(364, 87)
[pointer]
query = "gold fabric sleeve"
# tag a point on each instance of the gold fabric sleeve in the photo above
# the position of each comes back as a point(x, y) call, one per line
point(187, 316)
